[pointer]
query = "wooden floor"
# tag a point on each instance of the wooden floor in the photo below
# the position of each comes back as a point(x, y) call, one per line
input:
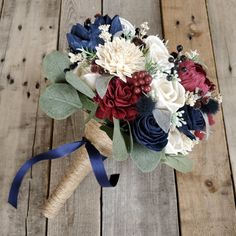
point(162, 203)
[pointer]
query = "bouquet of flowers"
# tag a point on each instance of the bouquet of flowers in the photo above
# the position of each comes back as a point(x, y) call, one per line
point(139, 100)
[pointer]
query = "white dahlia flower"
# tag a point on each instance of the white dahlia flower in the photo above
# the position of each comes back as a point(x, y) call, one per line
point(120, 58)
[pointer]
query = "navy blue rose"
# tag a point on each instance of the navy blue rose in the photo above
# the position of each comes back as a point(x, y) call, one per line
point(147, 132)
point(87, 36)
point(194, 121)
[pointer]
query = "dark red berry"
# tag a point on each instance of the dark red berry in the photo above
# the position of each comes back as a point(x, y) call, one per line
point(148, 79)
point(136, 83)
point(137, 90)
point(147, 89)
point(142, 74)
point(142, 82)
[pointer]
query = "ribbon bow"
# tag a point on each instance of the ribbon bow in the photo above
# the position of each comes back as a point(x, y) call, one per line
point(95, 157)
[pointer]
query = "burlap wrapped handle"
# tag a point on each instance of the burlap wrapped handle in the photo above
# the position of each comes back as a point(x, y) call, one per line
point(78, 170)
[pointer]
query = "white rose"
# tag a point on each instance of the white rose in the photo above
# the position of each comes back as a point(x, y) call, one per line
point(128, 28)
point(87, 76)
point(178, 143)
point(158, 52)
point(168, 94)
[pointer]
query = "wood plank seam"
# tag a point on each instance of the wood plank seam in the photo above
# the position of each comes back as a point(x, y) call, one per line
point(221, 107)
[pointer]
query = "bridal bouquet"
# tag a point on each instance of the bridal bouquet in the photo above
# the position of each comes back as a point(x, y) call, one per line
point(140, 100)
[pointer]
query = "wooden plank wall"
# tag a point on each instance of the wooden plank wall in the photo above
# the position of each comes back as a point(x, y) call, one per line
point(199, 203)
point(206, 199)
point(221, 18)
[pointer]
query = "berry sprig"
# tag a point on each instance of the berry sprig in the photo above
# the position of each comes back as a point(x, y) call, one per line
point(176, 58)
point(141, 81)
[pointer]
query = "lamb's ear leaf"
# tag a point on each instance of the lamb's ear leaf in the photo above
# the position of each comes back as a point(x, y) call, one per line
point(119, 148)
point(179, 162)
point(54, 65)
point(59, 101)
point(79, 84)
point(145, 159)
point(102, 85)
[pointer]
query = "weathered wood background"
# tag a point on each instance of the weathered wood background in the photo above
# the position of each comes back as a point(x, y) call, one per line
point(162, 203)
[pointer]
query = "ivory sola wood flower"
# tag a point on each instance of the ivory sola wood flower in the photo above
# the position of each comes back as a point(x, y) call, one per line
point(120, 57)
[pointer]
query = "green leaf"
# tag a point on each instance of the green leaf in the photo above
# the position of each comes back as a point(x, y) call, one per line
point(60, 101)
point(146, 159)
point(54, 65)
point(129, 140)
point(118, 147)
point(108, 130)
point(102, 84)
point(79, 84)
point(178, 162)
point(88, 104)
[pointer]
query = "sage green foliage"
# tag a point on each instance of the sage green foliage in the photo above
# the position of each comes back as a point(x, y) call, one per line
point(178, 162)
point(79, 84)
point(102, 85)
point(127, 138)
point(88, 104)
point(59, 101)
point(146, 159)
point(54, 65)
point(119, 148)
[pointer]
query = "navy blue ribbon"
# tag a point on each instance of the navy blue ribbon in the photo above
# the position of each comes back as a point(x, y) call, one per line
point(95, 157)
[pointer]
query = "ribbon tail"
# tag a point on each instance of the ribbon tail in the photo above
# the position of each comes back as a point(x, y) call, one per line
point(97, 164)
point(61, 151)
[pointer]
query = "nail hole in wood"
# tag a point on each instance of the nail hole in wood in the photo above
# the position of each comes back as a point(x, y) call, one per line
point(50, 27)
point(19, 27)
point(208, 183)
point(177, 22)
point(193, 17)
point(24, 59)
point(3, 59)
point(37, 85)
point(11, 81)
point(25, 83)
point(28, 94)
point(190, 37)
point(230, 68)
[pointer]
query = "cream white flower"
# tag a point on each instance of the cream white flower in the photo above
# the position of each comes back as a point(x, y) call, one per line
point(120, 57)
point(191, 98)
point(128, 28)
point(179, 143)
point(168, 94)
point(144, 28)
point(158, 52)
point(86, 75)
point(75, 57)
point(105, 35)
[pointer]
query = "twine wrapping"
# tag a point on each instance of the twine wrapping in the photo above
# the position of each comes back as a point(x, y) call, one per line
point(78, 170)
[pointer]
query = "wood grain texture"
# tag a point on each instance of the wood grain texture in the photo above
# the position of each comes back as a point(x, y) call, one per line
point(221, 18)
point(81, 214)
point(206, 199)
point(141, 204)
point(22, 48)
point(45, 30)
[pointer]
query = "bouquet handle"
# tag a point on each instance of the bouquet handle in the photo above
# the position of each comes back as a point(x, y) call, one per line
point(78, 170)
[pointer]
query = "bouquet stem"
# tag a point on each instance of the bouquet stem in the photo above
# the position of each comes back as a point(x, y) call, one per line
point(78, 170)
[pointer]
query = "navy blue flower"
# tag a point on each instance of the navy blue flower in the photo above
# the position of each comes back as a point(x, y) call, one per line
point(147, 132)
point(87, 36)
point(194, 121)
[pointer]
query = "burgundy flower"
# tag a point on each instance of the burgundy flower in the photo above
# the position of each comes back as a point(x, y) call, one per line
point(119, 101)
point(193, 76)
